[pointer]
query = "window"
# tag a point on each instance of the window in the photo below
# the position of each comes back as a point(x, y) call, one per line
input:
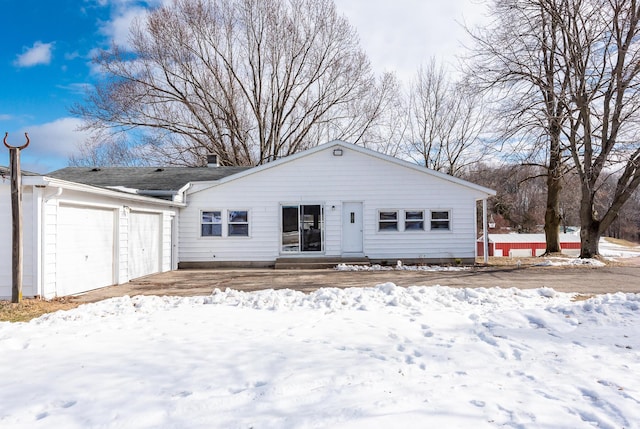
point(302, 228)
point(211, 224)
point(238, 223)
point(414, 220)
point(440, 220)
point(387, 221)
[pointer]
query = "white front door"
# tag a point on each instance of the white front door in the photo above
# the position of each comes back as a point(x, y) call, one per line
point(352, 226)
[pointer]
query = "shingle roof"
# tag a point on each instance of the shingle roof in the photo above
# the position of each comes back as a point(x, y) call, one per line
point(143, 178)
point(6, 172)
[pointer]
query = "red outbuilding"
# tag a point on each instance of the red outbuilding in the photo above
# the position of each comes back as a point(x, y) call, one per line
point(525, 245)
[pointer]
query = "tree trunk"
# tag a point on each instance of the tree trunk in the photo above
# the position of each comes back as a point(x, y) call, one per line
point(589, 238)
point(589, 227)
point(552, 221)
point(552, 217)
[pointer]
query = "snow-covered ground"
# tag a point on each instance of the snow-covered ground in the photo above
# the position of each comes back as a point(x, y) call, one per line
point(380, 357)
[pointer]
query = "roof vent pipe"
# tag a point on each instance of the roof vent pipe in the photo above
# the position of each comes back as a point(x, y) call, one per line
point(212, 160)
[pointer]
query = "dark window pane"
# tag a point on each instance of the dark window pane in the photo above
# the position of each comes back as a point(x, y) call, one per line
point(388, 215)
point(239, 230)
point(211, 230)
point(414, 225)
point(388, 226)
point(211, 217)
point(238, 216)
point(414, 215)
point(439, 224)
point(439, 215)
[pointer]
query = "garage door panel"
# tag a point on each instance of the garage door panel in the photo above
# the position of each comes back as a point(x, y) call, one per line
point(144, 244)
point(85, 254)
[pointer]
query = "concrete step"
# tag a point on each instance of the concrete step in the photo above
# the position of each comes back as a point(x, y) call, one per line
point(292, 263)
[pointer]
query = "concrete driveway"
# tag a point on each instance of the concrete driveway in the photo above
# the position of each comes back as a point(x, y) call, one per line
point(583, 280)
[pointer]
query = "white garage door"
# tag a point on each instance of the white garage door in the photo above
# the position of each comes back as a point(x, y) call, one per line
point(144, 244)
point(85, 253)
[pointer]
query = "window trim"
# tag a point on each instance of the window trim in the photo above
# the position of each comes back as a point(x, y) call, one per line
point(221, 223)
point(432, 220)
point(230, 223)
point(396, 221)
point(299, 206)
point(413, 221)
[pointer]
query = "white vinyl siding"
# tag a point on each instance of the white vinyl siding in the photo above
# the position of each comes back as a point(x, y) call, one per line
point(30, 217)
point(320, 176)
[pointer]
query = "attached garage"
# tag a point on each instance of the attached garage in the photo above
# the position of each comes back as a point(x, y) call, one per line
point(85, 256)
point(79, 237)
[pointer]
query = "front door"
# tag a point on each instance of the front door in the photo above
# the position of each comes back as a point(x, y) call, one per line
point(352, 226)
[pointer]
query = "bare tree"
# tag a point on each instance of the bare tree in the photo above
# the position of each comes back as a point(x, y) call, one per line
point(444, 121)
point(602, 51)
point(517, 60)
point(105, 149)
point(248, 80)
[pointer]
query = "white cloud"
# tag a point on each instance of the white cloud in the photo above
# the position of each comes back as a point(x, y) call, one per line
point(77, 88)
point(5, 117)
point(59, 138)
point(39, 53)
point(117, 30)
point(401, 35)
point(51, 144)
point(124, 12)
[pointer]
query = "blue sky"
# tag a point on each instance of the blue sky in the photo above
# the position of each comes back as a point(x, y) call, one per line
point(47, 45)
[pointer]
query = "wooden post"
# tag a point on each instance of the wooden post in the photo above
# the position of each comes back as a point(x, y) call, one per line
point(16, 216)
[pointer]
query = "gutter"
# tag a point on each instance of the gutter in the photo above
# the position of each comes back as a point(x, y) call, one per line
point(74, 186)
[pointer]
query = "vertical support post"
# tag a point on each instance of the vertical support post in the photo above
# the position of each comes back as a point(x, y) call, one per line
point(485, 231)
point(16, 216)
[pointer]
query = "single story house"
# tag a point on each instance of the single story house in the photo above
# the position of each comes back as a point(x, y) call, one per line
point(526, 245)
point(91, 227)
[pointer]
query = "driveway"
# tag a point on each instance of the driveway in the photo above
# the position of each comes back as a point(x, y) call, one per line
point(583, 280)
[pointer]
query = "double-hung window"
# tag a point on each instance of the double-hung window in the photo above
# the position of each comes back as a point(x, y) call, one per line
point(414, 220)
point(388, 220)
point(440, 220)
point(211, 224)
point(238, 225)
